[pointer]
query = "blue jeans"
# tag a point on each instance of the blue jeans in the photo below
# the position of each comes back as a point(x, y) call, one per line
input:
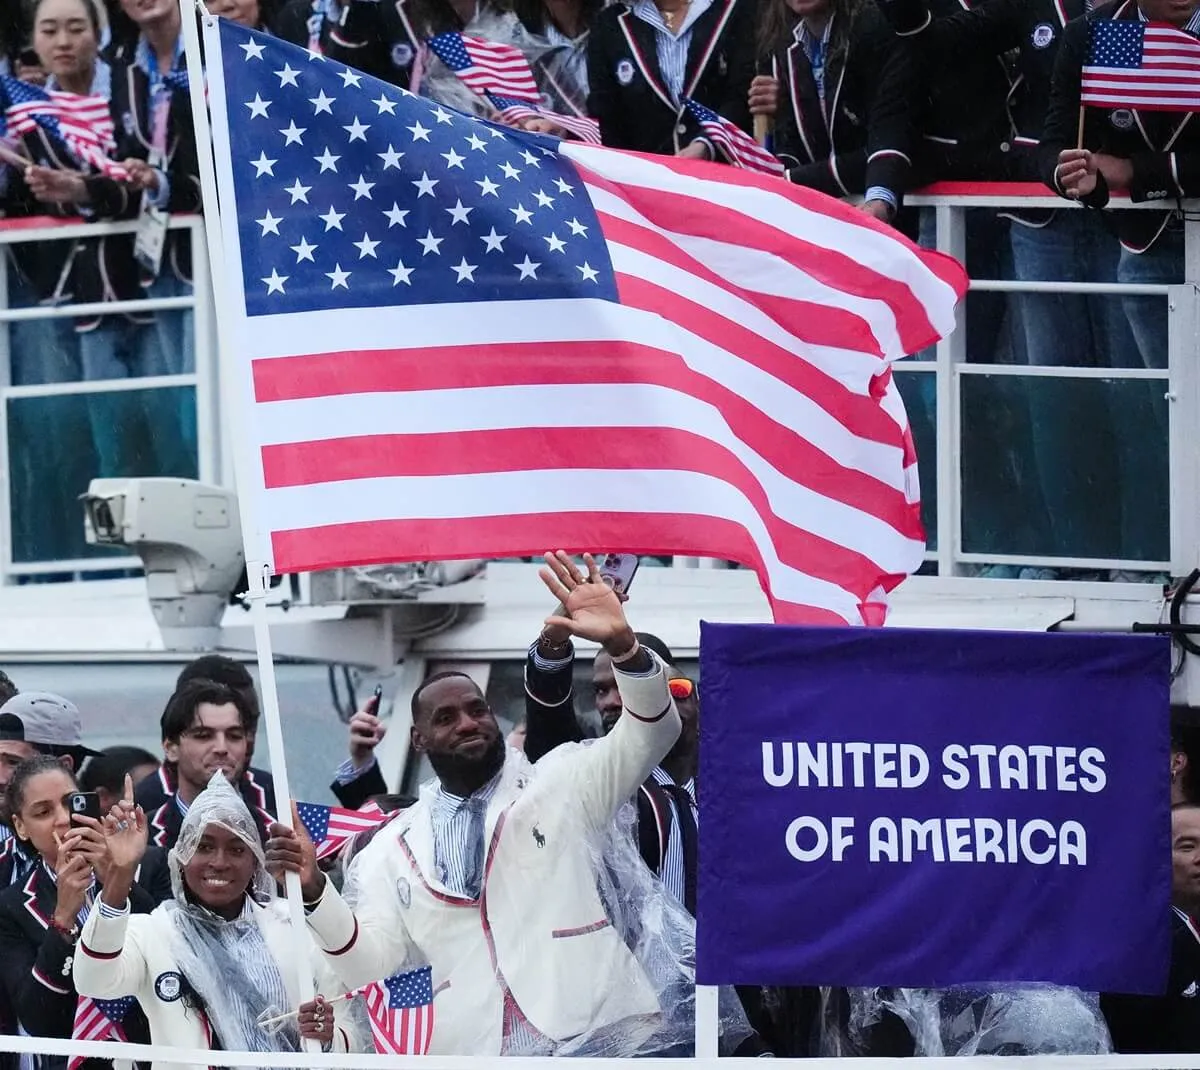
point(1161, 263)
point(49, 454)
point(175, 331)
point(1141, 407)
point(1075, 444)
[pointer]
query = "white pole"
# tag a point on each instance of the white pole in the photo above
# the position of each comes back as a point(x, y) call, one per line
point(258, 572)
point(708, 1022)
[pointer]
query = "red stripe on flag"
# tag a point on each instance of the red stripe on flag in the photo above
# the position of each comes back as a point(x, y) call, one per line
point(944, 267)
point(835, 269)
point(514, 450)
point(375, 542)
point(565, 363)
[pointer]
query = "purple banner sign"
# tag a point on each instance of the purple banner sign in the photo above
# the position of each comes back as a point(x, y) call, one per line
point(931, 808)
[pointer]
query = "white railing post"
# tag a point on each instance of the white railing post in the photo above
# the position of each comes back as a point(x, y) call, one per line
point(1183, 407)
point(209, 446)
point(5, 381)
point(951, 239)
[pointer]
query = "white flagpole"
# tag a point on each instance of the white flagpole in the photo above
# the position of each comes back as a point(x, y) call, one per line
point(232, 379)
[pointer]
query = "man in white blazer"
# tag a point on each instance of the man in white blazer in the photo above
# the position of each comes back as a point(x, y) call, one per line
point(491, 877)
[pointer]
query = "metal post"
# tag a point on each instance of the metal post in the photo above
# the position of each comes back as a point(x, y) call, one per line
point(951, 352)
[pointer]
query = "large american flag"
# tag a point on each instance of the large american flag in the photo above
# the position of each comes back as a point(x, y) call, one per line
point(467, 341)
point(1150, 66)
point(81, 124)
point(487, 66)
point(99, 1019)
point(739, 147)
point(329, 827)
point(400, 1010)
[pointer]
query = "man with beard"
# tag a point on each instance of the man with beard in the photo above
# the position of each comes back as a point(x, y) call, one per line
point(491, 877)
point(666, 802)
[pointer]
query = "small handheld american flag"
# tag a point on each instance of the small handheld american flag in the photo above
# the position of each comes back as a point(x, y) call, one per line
point(486, 66)
point(99, 1019)
point(400, 1009)
point(1148, 66)
point(329, 827)
point(81, 124)
point(515, 110)
point(738, 146)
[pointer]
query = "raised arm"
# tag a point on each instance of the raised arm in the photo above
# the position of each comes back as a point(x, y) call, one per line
point(111, 961)
point(607, 772)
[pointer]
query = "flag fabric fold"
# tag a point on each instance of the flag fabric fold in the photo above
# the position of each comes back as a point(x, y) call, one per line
point(739, 147)
point(329, 827)
point(487, 66)
point(99, 1019)
point(400, 1010)
point(501, 75)
point(461, 340)
point(82, 125)
point(1148, 66)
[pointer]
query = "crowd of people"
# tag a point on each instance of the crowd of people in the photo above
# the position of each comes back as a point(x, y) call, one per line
point(547, 882)
point(858, 98)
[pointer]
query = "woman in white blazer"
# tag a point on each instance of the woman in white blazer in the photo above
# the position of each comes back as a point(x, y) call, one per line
point(220, 957)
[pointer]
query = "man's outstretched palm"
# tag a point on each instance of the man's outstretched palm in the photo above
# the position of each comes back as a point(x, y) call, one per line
point(593, 610)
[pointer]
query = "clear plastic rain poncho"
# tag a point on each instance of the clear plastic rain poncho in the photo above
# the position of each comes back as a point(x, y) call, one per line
point(559, 66)
point(654, 926)
point(228, 963)
point(1006, 1020)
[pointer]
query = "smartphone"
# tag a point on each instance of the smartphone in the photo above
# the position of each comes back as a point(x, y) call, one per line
point(29, 58)
point(84, 804)
point(618, 570)
point(376, 699)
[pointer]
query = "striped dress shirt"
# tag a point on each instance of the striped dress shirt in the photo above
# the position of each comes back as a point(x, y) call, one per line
point(671, 47)
point(674, 869)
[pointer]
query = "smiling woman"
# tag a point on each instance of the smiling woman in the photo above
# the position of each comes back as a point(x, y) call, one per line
point(219, 958)
point(40, 916)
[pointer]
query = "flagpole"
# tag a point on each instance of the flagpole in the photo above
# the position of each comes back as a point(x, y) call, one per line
point(258, 572)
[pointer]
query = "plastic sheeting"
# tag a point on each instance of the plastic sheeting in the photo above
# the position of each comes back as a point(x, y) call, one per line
point(1009, 1020)
point(219, 804)
point(559, 67)
point(653, 925)
point(228, 963)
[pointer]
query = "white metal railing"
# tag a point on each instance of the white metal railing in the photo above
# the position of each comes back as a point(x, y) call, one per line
point(201, 380)
point(953, 368)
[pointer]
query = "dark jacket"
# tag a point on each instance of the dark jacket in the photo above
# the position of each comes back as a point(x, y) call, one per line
point(37, 958)
point(861, 135)
point(1162, 1024)
point(46, 266)
point(627, 95)
point(361, 789)
point(107, 270)
point(156, 796)
point(984, 32)
point(961, 114)
point(550, 722)
point(1164, 147)
point(15, 865)
point(382, 37)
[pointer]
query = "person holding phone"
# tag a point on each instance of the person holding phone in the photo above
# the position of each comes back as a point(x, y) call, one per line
point(359, 779)
point(41, 917)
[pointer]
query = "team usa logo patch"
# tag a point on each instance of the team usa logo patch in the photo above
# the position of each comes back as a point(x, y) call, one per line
point(168, 986)
point(1122, 118)
point(1043, 35)
point(625, 71)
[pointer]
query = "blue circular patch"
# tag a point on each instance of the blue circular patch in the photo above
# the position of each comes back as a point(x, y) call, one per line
point(168, 986)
